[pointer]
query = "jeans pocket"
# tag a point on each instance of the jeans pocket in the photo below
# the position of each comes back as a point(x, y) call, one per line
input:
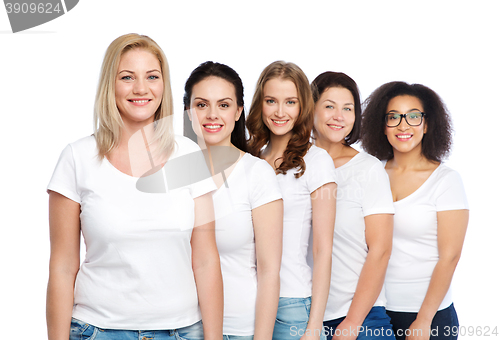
point(80, 330)
point(295, 313)
point(193, 332)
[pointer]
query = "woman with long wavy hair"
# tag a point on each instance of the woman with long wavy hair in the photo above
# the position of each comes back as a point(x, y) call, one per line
point(280, 122)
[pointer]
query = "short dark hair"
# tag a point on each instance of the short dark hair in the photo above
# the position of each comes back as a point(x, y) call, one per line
point(327, 80)
point(437, 141)
point(213, 69)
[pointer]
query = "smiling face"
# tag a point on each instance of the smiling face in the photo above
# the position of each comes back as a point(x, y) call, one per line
point(405, 138)
point(281, 106)
point(138, 87)
point(214, 110)
point(334, 115)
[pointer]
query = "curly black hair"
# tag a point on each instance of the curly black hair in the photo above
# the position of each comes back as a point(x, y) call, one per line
point(436, 143)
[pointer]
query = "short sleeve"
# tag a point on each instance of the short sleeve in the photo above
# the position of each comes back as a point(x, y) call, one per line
point(451, 193)
point(320, 170)
point(264, 187)
point(63, 179)
point(377, 195)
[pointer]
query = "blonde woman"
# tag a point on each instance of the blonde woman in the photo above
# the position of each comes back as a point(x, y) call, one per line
point(145, 268)
point(280, 123)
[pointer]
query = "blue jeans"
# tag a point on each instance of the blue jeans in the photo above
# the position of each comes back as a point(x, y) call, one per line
point(292, 318)
point(237, 337)
point(81, 330)
point(377, 325)
point(444, 324)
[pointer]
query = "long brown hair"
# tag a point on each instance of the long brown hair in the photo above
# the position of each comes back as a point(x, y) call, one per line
point(299, 144)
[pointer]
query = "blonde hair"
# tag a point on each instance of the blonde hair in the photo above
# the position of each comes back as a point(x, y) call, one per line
point(107, 120)
point(299, 144)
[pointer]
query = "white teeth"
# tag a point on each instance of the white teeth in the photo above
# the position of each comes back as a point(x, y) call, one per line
point(335, 126)
point(140, 101)
point(403, 136)
point(213, 127)
point(280, 121)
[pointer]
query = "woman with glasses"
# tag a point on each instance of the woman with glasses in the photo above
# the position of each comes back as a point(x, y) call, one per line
point(409, 127)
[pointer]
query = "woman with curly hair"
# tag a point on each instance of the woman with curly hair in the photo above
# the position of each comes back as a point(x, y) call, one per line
point(363, 226)
point(409, 127)
point(280, 123)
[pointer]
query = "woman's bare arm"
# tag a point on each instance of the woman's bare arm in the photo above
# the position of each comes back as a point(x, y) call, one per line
point(452, 226)
point(206, 268)
point(323, 202)
point(268, 230)
point(64, 222)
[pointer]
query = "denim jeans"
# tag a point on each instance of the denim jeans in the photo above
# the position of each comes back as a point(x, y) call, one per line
point(377, 325)
point(444, 324)
point(81, 330)
point(237, 337)
point(292, 318)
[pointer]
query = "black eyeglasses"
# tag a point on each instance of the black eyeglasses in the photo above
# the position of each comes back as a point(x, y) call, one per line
point(413, 118)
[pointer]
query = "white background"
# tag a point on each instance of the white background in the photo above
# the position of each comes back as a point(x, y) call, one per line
point(49, 77)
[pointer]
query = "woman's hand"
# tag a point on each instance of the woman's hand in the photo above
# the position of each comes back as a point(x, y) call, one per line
point(419, 330)
point(313, 331)
point(346, 330)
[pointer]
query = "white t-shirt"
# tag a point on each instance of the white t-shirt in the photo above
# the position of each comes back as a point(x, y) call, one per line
point(363, 189)
point(296, 274)
point(415, 248)
point(252, 183)
point(137, 272)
